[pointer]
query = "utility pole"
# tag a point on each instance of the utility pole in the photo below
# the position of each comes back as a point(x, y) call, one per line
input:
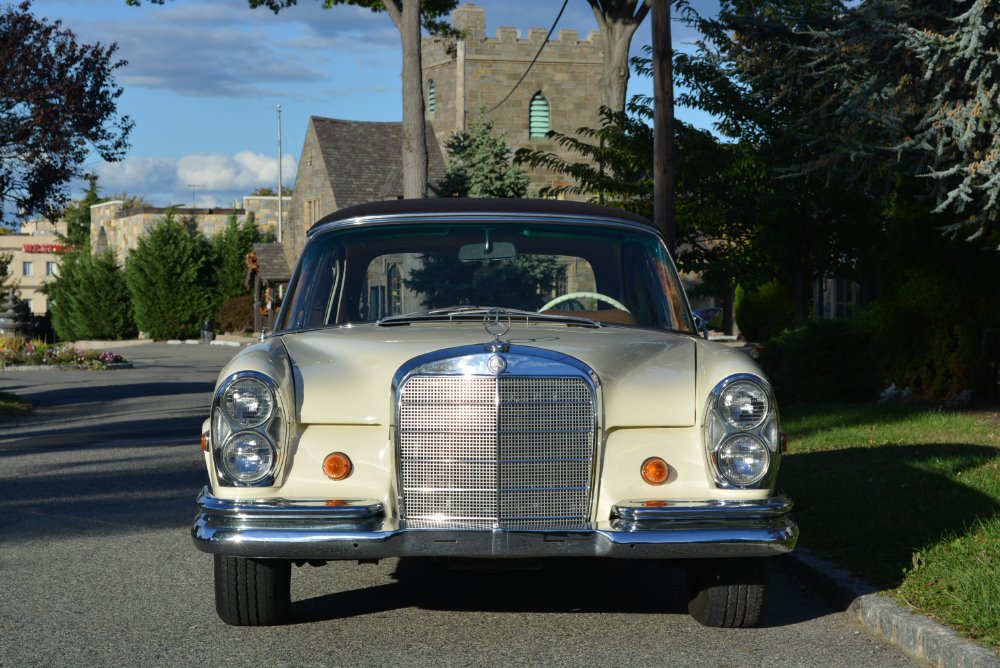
point(192, 186)
point(663, 125)
point(280, 183)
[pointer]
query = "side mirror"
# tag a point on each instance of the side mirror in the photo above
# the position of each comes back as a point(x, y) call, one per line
point(703, 316)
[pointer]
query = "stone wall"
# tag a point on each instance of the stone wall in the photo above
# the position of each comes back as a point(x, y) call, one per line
point(116, 229)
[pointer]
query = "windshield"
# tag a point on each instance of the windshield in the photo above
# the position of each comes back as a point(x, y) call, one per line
point(371, 273)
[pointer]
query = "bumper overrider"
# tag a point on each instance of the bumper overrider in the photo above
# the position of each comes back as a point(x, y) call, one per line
point(359, 529)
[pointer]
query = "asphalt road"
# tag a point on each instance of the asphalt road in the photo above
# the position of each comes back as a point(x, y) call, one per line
point(97, 568)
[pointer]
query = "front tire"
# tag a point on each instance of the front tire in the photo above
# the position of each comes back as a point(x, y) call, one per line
point(728, 593)
point(252, 592)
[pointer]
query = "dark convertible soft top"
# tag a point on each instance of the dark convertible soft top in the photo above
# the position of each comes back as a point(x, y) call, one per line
point(458, 205)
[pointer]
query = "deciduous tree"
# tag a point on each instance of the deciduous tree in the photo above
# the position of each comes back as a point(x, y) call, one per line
point(58, 106)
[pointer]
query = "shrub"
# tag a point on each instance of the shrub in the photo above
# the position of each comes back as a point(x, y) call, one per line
point(764, 312)
point(235, 316)
point(827, 360)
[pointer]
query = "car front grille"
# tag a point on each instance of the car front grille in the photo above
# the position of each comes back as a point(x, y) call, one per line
point(488, 452)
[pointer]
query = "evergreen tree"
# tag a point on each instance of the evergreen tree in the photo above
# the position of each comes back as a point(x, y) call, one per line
point(480, 165)
point(169, 277)
point(77, 216)
point(882, 90)
point(89, 299)
point(229, 250)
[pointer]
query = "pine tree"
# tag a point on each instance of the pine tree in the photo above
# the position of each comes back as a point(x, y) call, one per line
point(89, 299)
point(480, 165)
point(170, 280)
point(879, 90)
point(229, 250)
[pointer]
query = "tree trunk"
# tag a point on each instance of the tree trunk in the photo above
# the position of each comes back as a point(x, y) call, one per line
point(414, 134)
point(617, 21)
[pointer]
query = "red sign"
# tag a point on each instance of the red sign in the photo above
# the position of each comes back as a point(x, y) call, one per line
point(47, 248)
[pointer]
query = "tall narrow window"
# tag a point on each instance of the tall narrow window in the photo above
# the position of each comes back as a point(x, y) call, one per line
point(431, 98)
point(395, 280)
point(538, 117)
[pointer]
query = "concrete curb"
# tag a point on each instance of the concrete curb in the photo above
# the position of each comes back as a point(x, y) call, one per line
point(63, 367)
point(914, 634)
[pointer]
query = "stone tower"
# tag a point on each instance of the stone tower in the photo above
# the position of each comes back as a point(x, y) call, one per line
point(479, 72)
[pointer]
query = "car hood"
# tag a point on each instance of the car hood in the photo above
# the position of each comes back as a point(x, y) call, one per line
point(344, 375)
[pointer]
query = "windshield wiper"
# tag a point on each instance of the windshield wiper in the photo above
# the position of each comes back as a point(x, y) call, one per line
point(467, 313)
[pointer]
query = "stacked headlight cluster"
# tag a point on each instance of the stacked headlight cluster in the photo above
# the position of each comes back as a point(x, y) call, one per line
point(246, 429)
point(742, 433)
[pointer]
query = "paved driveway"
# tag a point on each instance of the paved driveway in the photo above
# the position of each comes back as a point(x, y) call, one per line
point(97, 492)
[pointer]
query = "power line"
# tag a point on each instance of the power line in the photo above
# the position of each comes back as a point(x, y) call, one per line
point(533, 60)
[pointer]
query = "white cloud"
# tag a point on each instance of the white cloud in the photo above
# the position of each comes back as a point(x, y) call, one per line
point(207, 179)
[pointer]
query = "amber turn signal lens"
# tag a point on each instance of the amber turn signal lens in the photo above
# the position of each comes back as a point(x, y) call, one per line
point(204, 442)
point(655, 471)
point(337, 466)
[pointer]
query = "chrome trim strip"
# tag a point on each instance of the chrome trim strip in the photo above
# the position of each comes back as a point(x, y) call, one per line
point(655, 509)
point(248, 510)
point(481, 217)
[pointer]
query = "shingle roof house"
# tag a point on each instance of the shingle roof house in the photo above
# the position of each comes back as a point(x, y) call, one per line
point(344, 163)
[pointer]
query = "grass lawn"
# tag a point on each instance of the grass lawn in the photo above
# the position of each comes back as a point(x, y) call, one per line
point(10, 406)
point(907, 498)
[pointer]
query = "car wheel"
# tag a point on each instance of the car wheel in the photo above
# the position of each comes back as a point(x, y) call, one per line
point(728, 592)
point(252, 592)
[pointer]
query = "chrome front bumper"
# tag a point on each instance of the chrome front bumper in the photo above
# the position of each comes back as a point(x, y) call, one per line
point(356, 529)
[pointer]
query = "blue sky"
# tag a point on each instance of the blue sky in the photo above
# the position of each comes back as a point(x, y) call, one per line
point(204, 79)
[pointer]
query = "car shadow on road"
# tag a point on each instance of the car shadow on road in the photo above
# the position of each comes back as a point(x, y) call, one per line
point(564, 586)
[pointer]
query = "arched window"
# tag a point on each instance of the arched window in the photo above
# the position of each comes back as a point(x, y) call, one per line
point(431, 98)
point(102, 242)
point(538, 117)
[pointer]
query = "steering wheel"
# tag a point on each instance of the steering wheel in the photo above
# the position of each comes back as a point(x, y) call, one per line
point(586, 295)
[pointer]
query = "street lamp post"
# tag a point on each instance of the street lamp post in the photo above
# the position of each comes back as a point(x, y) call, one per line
point(280, 183)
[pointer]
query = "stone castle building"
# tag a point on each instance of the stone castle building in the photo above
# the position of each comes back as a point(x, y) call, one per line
point(350, 162)
point(483, 75)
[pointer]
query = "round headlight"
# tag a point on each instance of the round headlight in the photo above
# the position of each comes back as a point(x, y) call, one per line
point(248, 402)
point(743, 404)
point(742, 459)
point(247, 457)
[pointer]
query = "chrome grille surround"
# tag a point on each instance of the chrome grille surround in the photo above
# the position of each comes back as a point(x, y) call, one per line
point(482, 450)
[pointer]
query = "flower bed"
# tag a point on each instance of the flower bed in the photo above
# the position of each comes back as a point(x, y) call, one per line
point(16, 351)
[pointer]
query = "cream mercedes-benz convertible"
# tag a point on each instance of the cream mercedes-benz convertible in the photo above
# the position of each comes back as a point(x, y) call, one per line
point(490, 379)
